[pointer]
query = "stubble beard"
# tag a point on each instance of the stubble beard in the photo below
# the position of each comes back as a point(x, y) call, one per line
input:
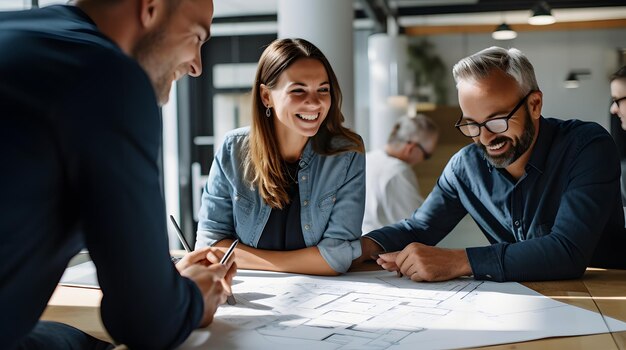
point(153, 58)
point(519, 145)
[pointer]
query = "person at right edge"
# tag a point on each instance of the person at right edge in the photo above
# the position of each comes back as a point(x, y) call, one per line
point(618, 107)
point(545, 192)
point(80, 139)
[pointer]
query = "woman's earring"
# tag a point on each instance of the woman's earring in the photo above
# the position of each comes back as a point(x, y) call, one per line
point(268, 112)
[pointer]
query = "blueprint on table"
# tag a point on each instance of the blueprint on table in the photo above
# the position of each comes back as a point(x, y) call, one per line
point(377, 310)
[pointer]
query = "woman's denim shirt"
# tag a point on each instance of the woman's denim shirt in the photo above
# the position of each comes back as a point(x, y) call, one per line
point(332, 195)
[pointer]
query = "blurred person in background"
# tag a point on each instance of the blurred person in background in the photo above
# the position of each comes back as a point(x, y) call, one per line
point(392, 190)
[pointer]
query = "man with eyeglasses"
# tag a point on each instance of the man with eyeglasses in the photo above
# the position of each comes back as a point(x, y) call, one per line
point(618, 94)
point(618, 107)
point(544, 191)
point(392, 187)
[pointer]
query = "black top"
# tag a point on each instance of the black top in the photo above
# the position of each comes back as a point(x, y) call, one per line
point(79, 144)
point(283, 230)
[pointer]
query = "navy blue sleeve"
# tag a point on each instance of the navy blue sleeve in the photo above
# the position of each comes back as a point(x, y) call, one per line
point(585, 207)
point(111, 150)
point(439, 214)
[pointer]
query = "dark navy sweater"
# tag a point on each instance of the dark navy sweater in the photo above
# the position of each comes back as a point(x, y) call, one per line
point(80, 133)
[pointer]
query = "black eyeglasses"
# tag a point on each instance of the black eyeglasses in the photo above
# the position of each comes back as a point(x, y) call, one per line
point(495, 125)
point(616, 101)
point(424, 152)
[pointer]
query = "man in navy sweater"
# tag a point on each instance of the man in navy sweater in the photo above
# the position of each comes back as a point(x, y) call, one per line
point(80, 137)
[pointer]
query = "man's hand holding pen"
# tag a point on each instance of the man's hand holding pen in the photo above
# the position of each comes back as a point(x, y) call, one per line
point(207, 257)
point(213, 279)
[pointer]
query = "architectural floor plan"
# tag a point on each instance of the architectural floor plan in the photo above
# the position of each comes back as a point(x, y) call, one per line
point(377, 310)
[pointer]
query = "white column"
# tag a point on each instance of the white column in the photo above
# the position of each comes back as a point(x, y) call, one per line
point(328, 25)
point(170, 164)
point(388, 71)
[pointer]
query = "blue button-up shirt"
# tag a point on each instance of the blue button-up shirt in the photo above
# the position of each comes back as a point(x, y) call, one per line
point(332, 200)
point(562, 215)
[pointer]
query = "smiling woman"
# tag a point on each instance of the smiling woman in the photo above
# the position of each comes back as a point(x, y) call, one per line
point(291, 187)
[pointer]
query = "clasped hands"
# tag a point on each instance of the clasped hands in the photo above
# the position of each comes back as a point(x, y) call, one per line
point(212, 278)
point(420, 262)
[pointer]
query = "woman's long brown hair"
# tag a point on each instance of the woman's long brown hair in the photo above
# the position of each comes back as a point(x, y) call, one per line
point(263, 164)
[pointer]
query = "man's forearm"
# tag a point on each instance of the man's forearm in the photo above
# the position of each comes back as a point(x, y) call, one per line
point(369, 247)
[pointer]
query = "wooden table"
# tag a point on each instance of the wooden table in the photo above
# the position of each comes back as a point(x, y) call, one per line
point(602, 291)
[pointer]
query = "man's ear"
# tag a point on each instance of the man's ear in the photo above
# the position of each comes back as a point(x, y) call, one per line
point(266, 96)
point(408, 149)
point(535, 103)
point(150, 11)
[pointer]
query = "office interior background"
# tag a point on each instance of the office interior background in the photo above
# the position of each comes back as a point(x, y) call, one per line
point(392, 57)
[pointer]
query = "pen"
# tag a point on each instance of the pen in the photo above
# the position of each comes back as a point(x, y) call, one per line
point(229, 252)
point(179, 233)
point(230, 299)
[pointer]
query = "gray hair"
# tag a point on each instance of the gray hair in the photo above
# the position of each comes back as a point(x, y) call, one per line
point(511, 61)
point(412, 129)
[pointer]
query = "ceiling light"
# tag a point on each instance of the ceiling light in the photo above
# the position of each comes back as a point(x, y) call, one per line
point(542, 14)
point(504, 32)
point(572, 81)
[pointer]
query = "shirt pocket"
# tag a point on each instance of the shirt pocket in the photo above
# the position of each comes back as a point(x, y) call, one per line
point(242, 209)
point(327, 202)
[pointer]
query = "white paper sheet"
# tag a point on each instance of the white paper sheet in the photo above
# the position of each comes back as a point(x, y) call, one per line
point(81, 275)
point(377, 310)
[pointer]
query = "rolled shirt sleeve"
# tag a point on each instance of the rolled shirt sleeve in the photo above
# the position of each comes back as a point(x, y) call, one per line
point(340, 241)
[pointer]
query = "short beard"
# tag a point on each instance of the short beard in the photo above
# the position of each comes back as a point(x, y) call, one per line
point(150, 55)
point(521, 145)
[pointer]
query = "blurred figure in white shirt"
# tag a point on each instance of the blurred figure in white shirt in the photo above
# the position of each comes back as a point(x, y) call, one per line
point(392, 190)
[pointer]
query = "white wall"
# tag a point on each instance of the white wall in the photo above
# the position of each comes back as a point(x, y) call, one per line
point(361, 85)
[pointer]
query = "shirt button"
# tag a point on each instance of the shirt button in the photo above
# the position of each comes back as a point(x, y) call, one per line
point(307, 226)
point(516, 222)
point(303, 178)
point(488, 276)
point(305, 203)
point(236, 198)
point(334, 199)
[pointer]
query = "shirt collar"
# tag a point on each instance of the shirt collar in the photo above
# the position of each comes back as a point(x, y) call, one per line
point(542, 146)
point(307, 153)
point(78, 12)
